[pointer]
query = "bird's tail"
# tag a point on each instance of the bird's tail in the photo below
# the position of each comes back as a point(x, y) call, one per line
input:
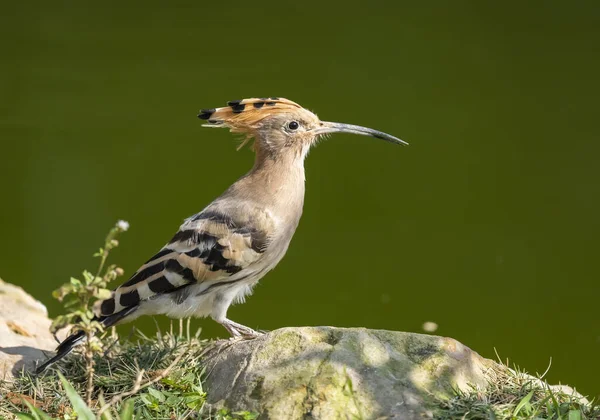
point(74, 339)
point(62, 350)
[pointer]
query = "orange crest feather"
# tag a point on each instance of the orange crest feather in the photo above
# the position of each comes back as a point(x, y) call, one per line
point(241, 116)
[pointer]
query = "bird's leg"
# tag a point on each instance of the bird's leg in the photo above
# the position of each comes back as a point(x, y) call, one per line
point(238, 330)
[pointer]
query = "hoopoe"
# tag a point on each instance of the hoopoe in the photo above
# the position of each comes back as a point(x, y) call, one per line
point(219, 254)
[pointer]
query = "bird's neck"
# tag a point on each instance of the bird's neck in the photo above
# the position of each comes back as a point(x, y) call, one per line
point(277, 181)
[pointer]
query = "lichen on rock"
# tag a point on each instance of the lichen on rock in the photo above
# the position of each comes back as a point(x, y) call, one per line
point(327, 372)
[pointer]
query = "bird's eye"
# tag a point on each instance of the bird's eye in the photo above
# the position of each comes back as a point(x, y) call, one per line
point(293, 125)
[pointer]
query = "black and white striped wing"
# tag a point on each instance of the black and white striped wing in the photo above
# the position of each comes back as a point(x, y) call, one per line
point(209, 248)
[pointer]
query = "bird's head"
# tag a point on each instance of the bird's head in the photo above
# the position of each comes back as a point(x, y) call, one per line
point(280, 125)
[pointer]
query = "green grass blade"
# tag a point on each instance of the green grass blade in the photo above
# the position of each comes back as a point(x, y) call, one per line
point(80, 407)
point(106, 415)
point(574, 415)
point(127, 410)
point(24, 416)
point(36, 413)
point(555, 404)
point(522, 403)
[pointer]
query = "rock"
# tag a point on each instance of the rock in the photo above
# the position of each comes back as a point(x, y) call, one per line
point(24, 330)
point(331, 373)
point(293, 373)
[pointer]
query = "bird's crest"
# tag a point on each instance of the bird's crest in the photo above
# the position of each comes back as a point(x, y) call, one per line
point(241, 116)
point(246, 112)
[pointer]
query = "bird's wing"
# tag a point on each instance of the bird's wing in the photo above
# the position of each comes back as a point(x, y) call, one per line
point(210, 247)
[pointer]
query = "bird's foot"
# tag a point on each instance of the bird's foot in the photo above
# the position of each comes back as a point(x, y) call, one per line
point(240, 331)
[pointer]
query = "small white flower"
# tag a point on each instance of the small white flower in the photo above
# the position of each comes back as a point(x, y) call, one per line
point(123, 225)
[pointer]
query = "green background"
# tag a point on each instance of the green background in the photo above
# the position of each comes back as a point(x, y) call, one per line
point(488, 224)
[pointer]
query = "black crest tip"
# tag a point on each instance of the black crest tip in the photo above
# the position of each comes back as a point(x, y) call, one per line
point(237, 108)
point(206, 113)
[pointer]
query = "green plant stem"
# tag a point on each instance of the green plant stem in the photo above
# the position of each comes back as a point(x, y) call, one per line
point(89, 368)
point(103, 259)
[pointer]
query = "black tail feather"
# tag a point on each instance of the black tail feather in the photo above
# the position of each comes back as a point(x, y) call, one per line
point(62, 350)
point(74, 339)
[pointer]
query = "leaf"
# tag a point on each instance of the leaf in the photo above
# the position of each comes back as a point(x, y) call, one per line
point(127, 409)
point(522, 403)
point(156, 394)
point(80, 407)
point(146, 399)
point(574, 415)
point(89, 277)
point(62, 291)
point(103, 294)
point(194, 401)
point(170, 382)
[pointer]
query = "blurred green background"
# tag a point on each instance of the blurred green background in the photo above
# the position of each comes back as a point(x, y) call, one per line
point(488, 224)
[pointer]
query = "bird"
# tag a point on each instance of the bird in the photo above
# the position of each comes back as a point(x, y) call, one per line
point(219, 254)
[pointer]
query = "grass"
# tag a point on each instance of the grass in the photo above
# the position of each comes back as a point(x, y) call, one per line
point(514, 394)
point(160, 377)
point(153, 377)
point(168, 372)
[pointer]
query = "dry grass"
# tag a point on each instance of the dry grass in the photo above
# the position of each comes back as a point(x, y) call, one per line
point(161, 376)
point(514, 394)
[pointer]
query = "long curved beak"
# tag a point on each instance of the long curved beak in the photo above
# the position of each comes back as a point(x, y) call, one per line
point(333, 127)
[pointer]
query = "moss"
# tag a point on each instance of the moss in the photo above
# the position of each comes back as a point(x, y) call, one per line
point(303, 372)
point(373, 351)
point(257, 389)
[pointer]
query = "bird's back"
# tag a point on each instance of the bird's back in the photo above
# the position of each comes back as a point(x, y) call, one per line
point(234, 241)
